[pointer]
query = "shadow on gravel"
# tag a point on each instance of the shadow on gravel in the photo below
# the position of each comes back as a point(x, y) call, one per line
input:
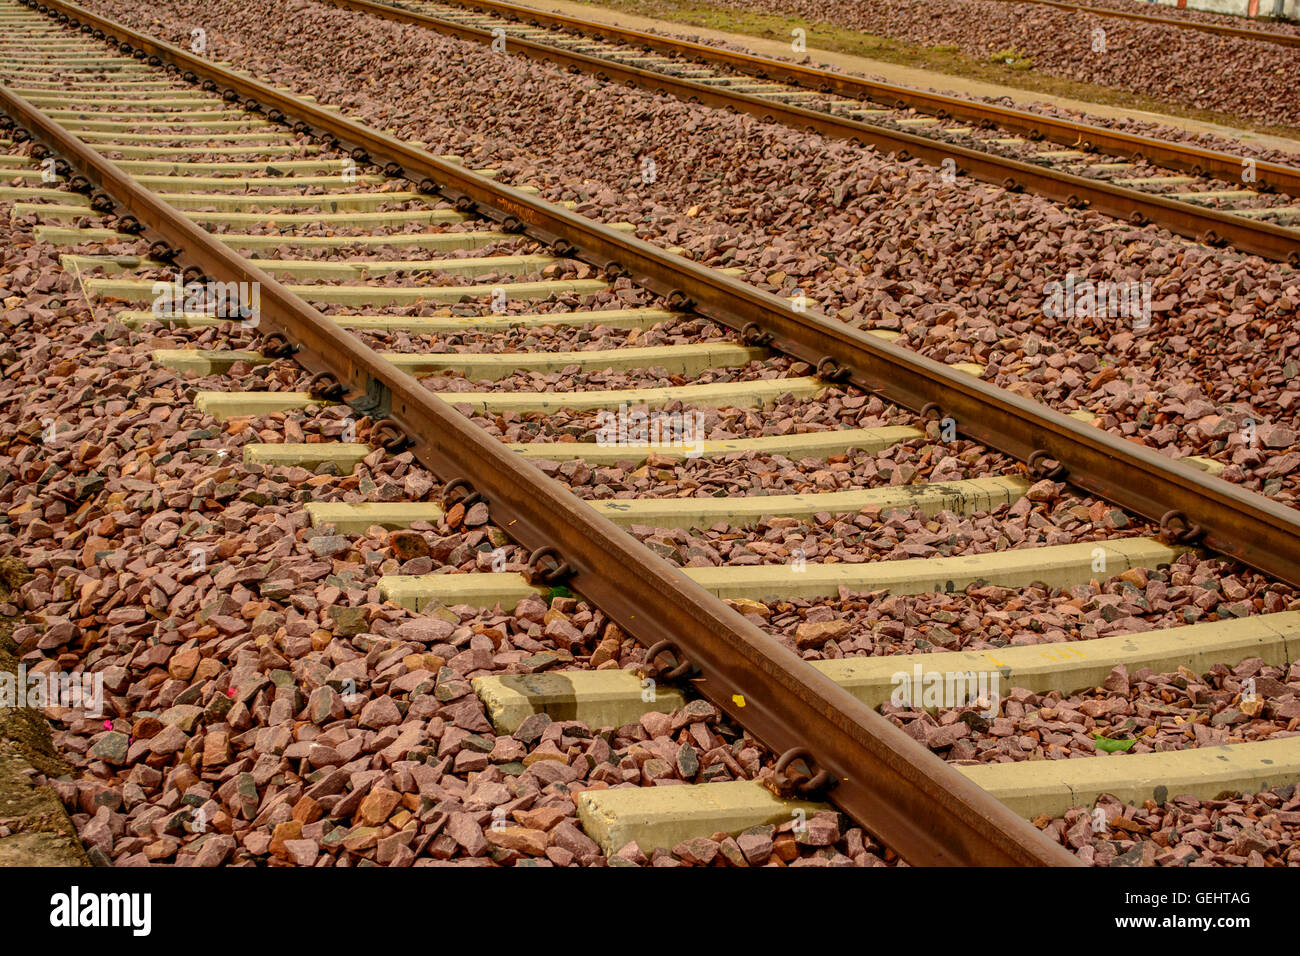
point(34, 827)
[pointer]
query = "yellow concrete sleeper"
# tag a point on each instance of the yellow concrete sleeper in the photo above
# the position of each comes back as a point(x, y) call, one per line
point(1057, 566)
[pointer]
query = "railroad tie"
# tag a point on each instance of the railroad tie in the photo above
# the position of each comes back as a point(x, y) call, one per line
point(616, 697)
point(1056, 566)
point(959, 497)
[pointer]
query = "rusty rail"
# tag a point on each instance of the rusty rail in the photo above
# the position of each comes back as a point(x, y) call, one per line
point(910, 798)
point(1170, 155)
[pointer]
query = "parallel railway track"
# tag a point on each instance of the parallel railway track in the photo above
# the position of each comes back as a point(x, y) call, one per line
point(1203, 194)
point(1178, 23)
point(920, 806)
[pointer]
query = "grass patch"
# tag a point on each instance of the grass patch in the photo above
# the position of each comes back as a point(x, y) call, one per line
point(22, 728)
point(1013, 58)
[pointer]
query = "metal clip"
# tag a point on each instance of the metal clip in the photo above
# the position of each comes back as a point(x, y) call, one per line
point(679, 301)
point(832, 371)
point(808, 784)
point(1188, 534)
point(390, 436)
point(323, 386)
point(277, 345)
point(1036, 463)
point(558, 574)
point(162, 251)
point(456, 484)
point(681, 666)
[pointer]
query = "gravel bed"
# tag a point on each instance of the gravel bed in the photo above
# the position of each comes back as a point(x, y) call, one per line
point(834, 408)
point(1133, 124)
point(552, 338)
point(896, 535)
point(573, 379)
point(1195, 589)
point(199, 759)
point(1261, 829)
point(1141, 713)
point(768, 473)
point(685, 66)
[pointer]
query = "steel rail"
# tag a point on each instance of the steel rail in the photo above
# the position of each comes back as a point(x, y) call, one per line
point(1170, 155)
point(1195, 222)
point(1244, 33)
point(915, 802)
point(1225, 517)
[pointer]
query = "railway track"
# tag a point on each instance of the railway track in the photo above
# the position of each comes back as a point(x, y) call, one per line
point(262, 172)
point(1212, 197)
point(1180, 23)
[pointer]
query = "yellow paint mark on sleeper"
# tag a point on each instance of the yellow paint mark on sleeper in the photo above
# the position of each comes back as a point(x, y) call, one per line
point(739, 699)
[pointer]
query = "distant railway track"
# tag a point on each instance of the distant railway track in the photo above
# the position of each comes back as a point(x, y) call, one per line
point(1219, 29)
point(1202, 194)
point(122, 126)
